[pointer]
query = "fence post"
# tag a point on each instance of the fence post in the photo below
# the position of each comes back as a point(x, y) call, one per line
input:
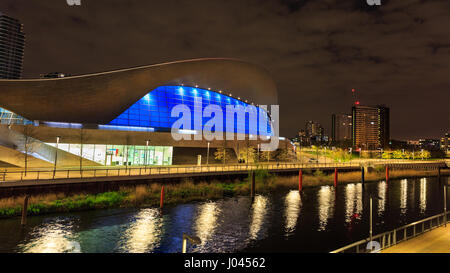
point(335, 177)
point(253, 184)
point(370, 231)
point(445, 205)
point(362, 175)
point(387, 173)
point(161, 202)
point(300, 180)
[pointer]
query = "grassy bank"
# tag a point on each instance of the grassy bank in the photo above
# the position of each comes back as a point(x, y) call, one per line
point(186, 191)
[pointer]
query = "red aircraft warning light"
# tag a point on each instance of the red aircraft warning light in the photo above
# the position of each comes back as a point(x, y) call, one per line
point(355, 97)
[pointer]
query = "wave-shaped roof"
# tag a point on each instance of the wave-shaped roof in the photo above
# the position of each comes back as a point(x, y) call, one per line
point(99, 98)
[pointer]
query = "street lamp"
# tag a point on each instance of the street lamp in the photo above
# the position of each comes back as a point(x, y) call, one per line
point(259, 147)
point(194, 240)
point(147, 142)
point(56, 155)
point(207, 156)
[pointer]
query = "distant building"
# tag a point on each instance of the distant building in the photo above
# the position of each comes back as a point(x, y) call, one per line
point(429, 144)
point(341, 127)
point(370, 127)
point(303, 137)
point(314, 131)
point(54, 75)
point(12, 44)
point(413, 143)
point(445, 142)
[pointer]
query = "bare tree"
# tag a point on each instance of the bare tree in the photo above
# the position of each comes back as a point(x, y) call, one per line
point(82, 140)
point(28, 141)
point(127, 145)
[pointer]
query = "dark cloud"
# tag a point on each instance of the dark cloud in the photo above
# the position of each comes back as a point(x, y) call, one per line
point(395, 54)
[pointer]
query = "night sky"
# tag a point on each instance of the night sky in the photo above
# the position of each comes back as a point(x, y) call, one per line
point(397, 54)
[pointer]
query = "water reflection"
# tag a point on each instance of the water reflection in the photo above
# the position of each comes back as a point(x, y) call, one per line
point(353, 202)
point(403, 195)
point(293, 205)
point(326, 199)
point(423, 195)
point(382, 187)
point(206, 221)
point(235, 224)
point(259, 209)
point(144, 234)
point(55, 236)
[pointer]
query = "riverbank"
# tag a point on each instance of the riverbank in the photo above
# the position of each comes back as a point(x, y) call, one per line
point(186, 191)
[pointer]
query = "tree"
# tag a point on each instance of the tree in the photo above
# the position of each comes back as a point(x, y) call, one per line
point(248, 154)
point(284, 154)
point(127, 149)
point(266, 156)
point(28, 143)
point(82, 139)
point(341, 155)
point(387, 155)
point(398, 154)
point(424, 154)
point(222, 155)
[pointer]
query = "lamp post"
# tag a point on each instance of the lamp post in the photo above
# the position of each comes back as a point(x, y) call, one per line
point(194, 240)
point(259, 148)
point(147, 142)
point(371, 219)
point(56, 156)
point(207, 156)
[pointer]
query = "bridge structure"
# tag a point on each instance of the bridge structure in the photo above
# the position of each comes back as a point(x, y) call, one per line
point(18, 177)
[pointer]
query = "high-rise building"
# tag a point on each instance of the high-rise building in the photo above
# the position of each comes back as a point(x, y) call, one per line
point(445, 142)
point(12, 44)
point(314, 131)
point(370, 127)
point(341, 127)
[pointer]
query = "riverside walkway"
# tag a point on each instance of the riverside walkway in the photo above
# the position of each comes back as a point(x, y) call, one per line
point(435, 241)
point(17, 177)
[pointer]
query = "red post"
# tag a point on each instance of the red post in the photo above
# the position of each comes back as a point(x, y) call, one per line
point(335, 177)
point(387, 173)
point(161, 203)
point(300, 180)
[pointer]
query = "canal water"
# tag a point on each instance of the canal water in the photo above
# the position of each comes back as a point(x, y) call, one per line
point(320, 219)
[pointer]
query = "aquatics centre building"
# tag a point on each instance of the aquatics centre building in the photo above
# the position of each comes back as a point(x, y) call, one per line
point(123, 117)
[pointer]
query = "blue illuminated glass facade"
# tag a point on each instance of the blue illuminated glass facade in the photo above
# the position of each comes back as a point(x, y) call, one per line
point(8, 117)
point(154, 109)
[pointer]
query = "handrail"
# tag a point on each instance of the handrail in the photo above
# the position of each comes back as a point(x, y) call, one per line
point(117, 171)
point(51, 174)
point(392, 234)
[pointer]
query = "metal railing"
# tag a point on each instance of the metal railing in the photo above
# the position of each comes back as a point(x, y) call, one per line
point(398, 235)
point(94, 172)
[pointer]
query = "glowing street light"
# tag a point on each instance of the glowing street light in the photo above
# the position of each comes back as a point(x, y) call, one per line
point(56, 155)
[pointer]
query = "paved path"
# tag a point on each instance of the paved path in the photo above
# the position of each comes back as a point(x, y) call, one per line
point(435, 241)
